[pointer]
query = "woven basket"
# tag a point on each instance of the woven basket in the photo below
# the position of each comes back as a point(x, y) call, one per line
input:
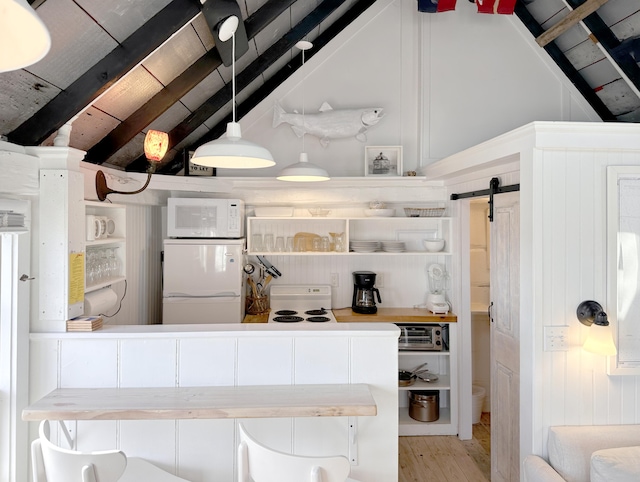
point(424, 212)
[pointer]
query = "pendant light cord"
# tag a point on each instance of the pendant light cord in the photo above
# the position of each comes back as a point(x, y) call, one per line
point(304, 127)
point(233, 75)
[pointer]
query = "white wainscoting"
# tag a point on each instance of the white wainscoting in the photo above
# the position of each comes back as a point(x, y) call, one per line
point(204, 450)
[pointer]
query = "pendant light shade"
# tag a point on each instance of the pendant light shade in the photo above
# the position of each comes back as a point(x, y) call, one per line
point(303, 171)
point(24, 37)
point(231, 151)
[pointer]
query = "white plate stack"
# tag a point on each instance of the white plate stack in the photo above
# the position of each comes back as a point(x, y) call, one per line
point(393, 246)
point(364, 246)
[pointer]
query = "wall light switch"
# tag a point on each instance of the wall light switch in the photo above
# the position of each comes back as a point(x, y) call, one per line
point(556, 338)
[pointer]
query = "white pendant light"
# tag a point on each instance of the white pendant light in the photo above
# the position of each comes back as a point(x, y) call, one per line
point(231, 151)
point(303, 171)
point(24, 37)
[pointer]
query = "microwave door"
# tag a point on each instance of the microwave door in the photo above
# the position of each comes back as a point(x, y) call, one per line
point(202, 270)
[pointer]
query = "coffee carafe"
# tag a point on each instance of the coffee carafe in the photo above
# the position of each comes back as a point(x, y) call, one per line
point(363, 292)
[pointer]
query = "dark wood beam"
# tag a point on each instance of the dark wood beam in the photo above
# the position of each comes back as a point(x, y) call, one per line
point(105, 73)
point(561, 60)
point(278, 78)
point(612, 45)
point(573, 17)
point(255, 69)
point(176, 89)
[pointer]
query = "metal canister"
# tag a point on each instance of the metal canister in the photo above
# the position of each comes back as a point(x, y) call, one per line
point(424, 405)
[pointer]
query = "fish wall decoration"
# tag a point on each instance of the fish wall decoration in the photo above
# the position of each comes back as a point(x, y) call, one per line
point(329, 123)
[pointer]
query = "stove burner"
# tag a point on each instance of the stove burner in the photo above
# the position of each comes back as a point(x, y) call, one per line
point(318, 318)
point(287, 319)
point(286, 312)
point(321, 311)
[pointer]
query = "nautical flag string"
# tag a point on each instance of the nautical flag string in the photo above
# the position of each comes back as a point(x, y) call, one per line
point(504, 7)
point(433, 6)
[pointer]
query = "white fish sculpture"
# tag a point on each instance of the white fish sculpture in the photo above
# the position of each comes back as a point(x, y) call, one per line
point(328, 123)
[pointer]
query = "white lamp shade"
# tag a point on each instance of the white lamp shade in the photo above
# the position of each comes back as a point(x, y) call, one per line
point(303, 171)
point(24, 37)
point(232, 152)
point(600, 340)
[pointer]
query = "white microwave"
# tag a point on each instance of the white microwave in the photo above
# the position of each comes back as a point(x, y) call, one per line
point(205, 218)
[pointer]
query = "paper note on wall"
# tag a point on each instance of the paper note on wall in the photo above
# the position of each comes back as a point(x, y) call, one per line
point(76, 278)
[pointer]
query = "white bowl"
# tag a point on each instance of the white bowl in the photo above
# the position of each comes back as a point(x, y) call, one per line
point(433, 245)
point(381, 213)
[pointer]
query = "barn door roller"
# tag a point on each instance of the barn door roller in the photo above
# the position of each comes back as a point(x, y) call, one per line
point(494, 188)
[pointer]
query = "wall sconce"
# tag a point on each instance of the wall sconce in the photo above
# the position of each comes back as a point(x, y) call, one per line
point(600, 339)
point(156, 144)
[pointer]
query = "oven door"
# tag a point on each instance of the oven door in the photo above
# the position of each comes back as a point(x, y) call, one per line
point(420, 337)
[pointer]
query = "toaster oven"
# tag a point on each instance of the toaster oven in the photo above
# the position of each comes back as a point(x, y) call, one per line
point(422, 337)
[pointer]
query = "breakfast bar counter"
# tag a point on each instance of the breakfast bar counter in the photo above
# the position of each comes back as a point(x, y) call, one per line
point(173, 393)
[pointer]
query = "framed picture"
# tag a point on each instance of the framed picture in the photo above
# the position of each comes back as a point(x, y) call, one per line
point(383, 161)
point(191, 169)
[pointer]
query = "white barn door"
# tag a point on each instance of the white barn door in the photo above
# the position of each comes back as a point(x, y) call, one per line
point(505, 338)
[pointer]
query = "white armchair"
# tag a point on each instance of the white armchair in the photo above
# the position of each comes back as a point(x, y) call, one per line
point(596, 453)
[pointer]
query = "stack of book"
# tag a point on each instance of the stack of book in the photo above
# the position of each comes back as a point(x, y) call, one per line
point(84, 323)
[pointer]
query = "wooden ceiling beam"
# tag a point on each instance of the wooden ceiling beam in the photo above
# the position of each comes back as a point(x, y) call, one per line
point(278, 78)
point(105, 73)
point(255, 69)
point(565, 65)
point(572, 18)
point(177, 88)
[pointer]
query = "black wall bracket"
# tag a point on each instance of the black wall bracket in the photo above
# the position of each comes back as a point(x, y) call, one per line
point(494, 188)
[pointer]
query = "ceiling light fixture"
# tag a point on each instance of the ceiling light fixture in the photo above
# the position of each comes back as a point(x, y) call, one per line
point(23, 35)
point(231, 151)
point(600, 339)
point(156, 144)
point(303, 171)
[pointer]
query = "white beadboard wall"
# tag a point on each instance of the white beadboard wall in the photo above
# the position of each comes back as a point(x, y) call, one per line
point(561, 168)
point(204, 450)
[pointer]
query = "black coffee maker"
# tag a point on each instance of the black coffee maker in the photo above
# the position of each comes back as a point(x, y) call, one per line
point(363, 290)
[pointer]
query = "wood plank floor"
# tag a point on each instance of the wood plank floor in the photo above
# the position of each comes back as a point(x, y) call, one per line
point(447, 458)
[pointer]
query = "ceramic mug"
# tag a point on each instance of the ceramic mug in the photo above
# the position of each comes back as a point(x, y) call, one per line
point(90, 225)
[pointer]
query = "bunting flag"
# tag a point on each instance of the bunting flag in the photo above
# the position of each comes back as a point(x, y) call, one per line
point(433, 6)
point(504, 7)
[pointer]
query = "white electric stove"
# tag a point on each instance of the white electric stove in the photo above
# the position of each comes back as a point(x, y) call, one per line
point(301, 304)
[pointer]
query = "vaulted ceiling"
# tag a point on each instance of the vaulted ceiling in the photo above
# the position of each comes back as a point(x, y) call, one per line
point(118, 68)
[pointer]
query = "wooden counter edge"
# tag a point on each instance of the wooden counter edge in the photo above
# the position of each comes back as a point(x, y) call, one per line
point(394, 315)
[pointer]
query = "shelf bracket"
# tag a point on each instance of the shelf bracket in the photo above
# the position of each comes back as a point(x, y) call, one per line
point(353, 440)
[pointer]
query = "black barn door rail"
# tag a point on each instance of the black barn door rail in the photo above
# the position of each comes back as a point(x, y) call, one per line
point(494, 188)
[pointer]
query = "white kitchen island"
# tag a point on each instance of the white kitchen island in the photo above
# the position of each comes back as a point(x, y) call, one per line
point(228, 355)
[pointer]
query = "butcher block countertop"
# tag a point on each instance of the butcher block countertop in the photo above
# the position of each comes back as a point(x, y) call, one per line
point(395, 315)
point(385, 315)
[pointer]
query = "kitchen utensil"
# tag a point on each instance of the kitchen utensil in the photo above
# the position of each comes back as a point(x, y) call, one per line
point(406, 378)
point(269, 268)
point(249, 268)
point(427, 377)
point(363, 292)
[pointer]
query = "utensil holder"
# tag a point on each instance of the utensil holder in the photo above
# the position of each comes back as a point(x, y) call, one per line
point(257, 305)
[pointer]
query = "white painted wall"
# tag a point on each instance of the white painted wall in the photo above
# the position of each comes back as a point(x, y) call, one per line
point(561, 168)
point(446, 81)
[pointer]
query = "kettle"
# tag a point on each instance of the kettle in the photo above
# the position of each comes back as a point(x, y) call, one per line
point(363, 292)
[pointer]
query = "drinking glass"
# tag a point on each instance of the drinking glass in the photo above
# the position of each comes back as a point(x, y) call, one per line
point(325, 244)
point(289, 246)
point(279, 246)
point(268, 242)
point(256, 242)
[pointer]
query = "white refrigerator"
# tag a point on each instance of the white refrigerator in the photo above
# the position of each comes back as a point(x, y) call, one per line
point(203, 281)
